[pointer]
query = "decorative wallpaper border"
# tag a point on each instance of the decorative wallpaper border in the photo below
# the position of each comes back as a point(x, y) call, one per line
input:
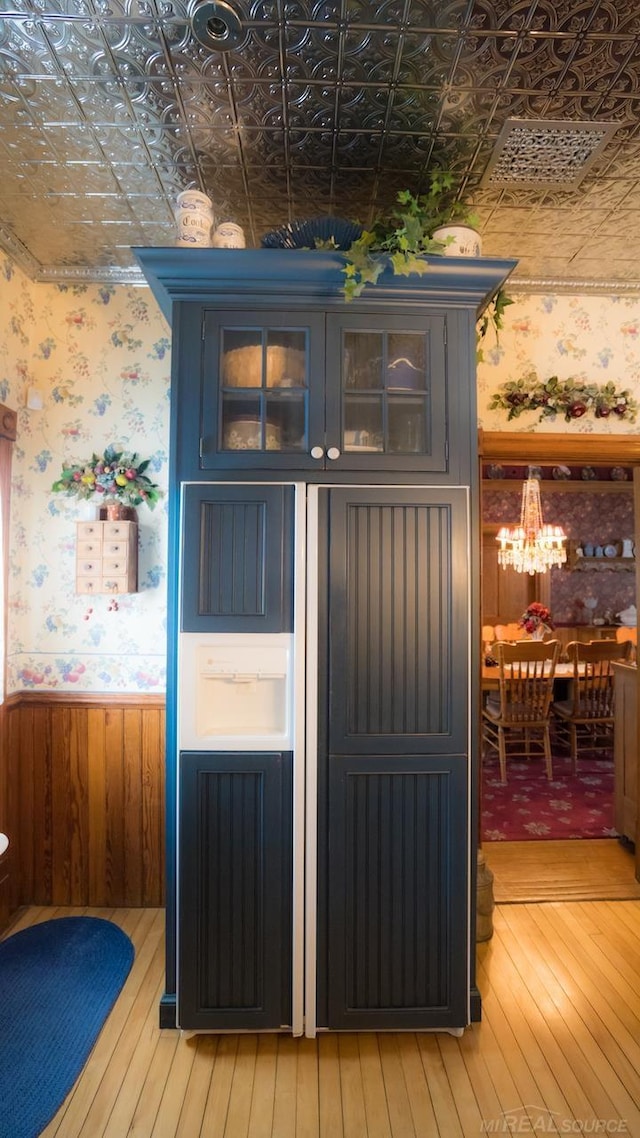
point(84, 671)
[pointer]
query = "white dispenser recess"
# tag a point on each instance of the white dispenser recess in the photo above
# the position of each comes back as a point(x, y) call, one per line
point(236, 692)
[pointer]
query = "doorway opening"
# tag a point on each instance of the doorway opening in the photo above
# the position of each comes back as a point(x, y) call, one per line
point(590, 486)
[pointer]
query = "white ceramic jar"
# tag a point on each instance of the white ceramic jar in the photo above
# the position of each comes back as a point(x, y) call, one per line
point(194, 219)
point(228, 235)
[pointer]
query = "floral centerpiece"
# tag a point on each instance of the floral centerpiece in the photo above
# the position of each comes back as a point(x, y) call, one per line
point(536, 619)
point(115, 477)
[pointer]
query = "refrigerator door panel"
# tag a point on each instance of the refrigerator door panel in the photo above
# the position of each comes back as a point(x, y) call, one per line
point(392, 645)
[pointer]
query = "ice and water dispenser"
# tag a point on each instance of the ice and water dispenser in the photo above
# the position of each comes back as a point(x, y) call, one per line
point(236, 692)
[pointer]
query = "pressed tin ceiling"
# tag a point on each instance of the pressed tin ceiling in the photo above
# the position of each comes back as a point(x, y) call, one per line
point(109, 109)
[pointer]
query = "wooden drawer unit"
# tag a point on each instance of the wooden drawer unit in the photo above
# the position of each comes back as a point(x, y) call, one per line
point(106, 557)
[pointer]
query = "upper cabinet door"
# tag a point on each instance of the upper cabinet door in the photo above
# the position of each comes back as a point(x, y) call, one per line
point(315, 391)
point(262, 397)
point(386, 404)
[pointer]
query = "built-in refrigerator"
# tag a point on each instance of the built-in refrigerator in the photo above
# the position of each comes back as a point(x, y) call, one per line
point(322, 798)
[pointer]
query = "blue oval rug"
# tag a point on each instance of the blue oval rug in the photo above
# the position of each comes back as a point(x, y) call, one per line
point(58, 982)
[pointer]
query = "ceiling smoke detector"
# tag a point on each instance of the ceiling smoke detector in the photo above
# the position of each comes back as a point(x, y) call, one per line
point(551, 154)
point(217, 25)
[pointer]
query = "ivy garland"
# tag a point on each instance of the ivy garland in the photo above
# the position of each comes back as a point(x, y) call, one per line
point(571, 397)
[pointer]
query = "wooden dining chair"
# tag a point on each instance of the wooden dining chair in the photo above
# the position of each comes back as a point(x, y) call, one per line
point(511, 631)
point(488, 638)
point(515, 719)
point(585, 719)
point(630, 633)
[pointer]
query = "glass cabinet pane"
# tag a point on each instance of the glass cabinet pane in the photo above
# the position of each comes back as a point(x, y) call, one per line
point(405, 369)
point(241, 424)
point(286, 417)
point(241, 357)
point(264, 389)
point(362, 361)
point(407, 425)
point(286, 362)
point(385, 392)
point(363, 424)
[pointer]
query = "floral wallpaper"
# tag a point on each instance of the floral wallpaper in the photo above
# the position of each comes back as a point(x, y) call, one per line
point(93, 362)
point(594, 339)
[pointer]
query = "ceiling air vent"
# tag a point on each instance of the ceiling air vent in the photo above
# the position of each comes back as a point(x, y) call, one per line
point(550, 154)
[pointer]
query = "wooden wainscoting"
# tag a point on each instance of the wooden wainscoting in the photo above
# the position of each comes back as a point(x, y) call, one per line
point(8, 892)
point(84, 786)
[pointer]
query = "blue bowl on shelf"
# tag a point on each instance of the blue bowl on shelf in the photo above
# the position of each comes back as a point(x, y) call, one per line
point(403, 375)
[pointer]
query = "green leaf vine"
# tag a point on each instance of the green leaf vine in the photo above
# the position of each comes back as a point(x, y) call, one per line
point(493, 316)
point(404, 237)
point(572, 397)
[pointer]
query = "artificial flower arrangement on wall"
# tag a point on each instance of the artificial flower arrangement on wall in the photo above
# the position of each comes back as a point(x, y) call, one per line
point(572, 397)
point(115, 476)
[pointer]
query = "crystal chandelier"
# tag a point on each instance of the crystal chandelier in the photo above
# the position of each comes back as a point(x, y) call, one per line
point(531, 547)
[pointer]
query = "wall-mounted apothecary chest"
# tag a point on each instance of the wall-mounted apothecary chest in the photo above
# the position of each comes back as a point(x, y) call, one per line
point(106, 557)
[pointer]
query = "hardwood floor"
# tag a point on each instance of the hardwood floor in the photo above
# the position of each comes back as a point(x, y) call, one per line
point(597, 869)
point(558, 1049)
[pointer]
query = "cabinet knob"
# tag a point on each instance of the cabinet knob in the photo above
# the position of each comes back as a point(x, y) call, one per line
point(333, 453)
point(317, 452)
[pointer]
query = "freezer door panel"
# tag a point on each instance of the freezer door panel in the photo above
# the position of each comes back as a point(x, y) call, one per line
point(237, 558)
point(235, 865)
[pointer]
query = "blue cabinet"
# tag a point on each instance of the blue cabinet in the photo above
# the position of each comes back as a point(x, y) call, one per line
point(395, 954)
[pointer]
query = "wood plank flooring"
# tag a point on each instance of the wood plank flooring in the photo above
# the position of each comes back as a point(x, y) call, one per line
point(598, 869)
point(558, 1049)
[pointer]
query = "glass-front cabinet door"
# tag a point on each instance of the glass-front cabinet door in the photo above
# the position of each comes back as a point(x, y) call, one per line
point(386, 406)
point(262, 389)
point(324, 392)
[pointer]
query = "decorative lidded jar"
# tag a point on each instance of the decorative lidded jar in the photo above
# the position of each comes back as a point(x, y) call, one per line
point(194, 219)
point(228, 235)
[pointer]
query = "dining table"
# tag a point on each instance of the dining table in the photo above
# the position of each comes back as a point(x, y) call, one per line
point(491, 675)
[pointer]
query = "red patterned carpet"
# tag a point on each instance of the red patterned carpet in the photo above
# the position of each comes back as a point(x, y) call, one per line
point(530, 807)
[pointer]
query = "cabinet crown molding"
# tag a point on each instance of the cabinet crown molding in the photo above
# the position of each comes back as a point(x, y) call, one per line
point(176, 274)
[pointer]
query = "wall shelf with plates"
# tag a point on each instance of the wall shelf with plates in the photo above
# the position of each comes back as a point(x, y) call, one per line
point(607, 561)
